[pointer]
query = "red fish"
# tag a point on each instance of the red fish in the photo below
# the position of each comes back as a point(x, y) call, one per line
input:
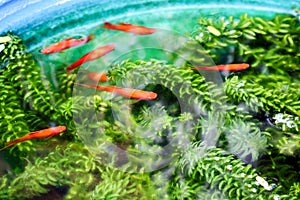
point(126, 92)
point(97, 76)
point(66, 44)
point(125, 27)
point(36, 135)
point(93, 55)
point(226, 67)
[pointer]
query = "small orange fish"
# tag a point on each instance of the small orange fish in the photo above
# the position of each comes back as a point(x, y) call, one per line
point(97, 76)
point(36, 135)
point(66, 44)
point(130, 28)
point(226, 67)
point(93, 55)
point(126, 92)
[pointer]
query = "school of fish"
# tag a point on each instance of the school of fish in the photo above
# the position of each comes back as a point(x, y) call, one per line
point(101, 76)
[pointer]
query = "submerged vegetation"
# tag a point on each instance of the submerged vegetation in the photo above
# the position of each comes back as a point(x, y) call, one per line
point(238, 140)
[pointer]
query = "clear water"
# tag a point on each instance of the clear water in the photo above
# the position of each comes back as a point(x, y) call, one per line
point(41, 23)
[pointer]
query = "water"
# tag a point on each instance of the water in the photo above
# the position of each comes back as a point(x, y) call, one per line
point(169, 124)
point(86, 17)
point(39, 21)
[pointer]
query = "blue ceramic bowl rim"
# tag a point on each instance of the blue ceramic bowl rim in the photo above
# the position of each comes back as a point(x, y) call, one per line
point(17, 14)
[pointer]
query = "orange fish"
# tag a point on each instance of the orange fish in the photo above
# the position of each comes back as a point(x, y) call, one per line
point(97, 76)
point(36, 135)
point(66, 44)
point(93, 55)
point(126, 92)
point(226, 67)
point(135, 29)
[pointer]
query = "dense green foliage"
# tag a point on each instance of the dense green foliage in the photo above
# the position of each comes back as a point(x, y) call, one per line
point(220, 138)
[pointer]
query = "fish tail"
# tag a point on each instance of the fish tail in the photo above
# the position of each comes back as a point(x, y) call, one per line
point(91, 37)
point(69, 71)
point(86, 85)
point(71, 67)
point(199, 68)
point(103, 78)
point(8, 145)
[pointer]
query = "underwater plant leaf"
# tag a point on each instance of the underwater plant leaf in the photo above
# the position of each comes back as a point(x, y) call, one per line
point(49, 172)
point(244, 91)
point(217, 166)
point(275, 35)
point(245, 142)
point(11, 112)
point(116, 184)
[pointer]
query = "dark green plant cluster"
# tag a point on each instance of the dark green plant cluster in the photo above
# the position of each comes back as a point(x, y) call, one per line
point(213, 173)
point(236, 140)
point(60, 165)
point(75, 175)
point(268, 91)
point(217, 121)
point(269, 45)
point(14, 89)
point(259, 97)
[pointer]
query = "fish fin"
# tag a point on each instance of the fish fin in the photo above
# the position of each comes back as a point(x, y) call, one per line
point(67, 39)
point(135, 101)
point(124, 24)
point(13, 142)
point(33, 133)
point(202, 68)
point(91, 37)
point(5, 147)
point(69, 71)
point(107, 25)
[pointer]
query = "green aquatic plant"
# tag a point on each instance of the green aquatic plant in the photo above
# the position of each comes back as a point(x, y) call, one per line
point(269, 45)
point(212, 140)
point(12, 112)
point(83, 177)
point(244, 140)
point(26, 105)
point(269, 89)
point(12, 49)
point(216, 171)
point(257, 97)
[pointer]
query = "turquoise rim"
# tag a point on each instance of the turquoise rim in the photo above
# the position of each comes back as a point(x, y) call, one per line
point(38, 20)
